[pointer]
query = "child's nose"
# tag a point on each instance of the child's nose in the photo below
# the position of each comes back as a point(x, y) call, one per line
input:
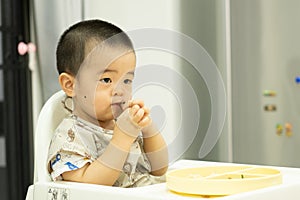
point(118, 90)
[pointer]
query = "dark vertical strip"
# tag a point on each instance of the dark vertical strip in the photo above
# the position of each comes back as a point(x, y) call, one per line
point(17, 98)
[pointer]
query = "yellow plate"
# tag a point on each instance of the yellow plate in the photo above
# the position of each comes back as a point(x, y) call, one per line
point(221, 180)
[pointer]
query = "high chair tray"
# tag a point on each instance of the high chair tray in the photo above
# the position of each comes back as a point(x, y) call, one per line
point(221, 180)
point(289, 189)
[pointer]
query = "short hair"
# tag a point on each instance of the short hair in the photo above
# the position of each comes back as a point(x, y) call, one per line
point(72, 45)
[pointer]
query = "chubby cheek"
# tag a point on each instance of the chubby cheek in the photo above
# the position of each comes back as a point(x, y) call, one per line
point(127, 94)
point(102, 104)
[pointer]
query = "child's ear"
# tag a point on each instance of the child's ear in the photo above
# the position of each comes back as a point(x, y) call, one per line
point(67, 83)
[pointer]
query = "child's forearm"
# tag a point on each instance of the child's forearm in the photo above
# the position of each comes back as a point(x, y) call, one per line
point(106, 169)
point(157, 153)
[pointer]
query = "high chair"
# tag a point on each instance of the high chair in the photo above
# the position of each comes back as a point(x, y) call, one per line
point(44, 188)
point(49, 118)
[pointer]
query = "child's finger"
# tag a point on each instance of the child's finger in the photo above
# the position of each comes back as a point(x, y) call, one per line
point(145, 121)
point(137, 102)
point(146, 110)
point(133, 110)
point(138, 116)
point(129, 103)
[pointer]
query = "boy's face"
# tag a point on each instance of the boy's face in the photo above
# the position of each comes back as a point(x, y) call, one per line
point(104, 85)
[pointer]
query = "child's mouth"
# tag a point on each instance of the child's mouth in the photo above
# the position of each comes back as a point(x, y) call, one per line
point(119, 106)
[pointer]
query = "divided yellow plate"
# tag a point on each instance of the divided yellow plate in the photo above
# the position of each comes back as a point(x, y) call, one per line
point(221, 180)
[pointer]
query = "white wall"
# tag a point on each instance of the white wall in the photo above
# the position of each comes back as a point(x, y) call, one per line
point(205, 22)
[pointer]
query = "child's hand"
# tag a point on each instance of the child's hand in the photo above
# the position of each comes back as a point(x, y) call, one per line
point(134, 118)
point(148, 128)
point(138, 107)
point(140, 115)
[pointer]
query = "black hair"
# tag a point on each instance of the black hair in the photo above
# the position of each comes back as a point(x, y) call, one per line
point(72, 45)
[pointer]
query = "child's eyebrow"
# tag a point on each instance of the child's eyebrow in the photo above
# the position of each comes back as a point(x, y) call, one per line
point(108, 70)
point(114, 71)
point(131, 73)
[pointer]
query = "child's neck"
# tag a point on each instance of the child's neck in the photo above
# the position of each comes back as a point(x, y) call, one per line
point(110, 125)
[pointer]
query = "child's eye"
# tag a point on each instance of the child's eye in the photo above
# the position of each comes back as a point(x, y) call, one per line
point(127, 81)
point(105, 80)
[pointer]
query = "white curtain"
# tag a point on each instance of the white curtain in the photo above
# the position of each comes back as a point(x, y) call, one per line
point(51, 18)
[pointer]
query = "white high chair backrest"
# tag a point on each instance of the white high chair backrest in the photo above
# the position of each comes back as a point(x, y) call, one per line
point(49, 118)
